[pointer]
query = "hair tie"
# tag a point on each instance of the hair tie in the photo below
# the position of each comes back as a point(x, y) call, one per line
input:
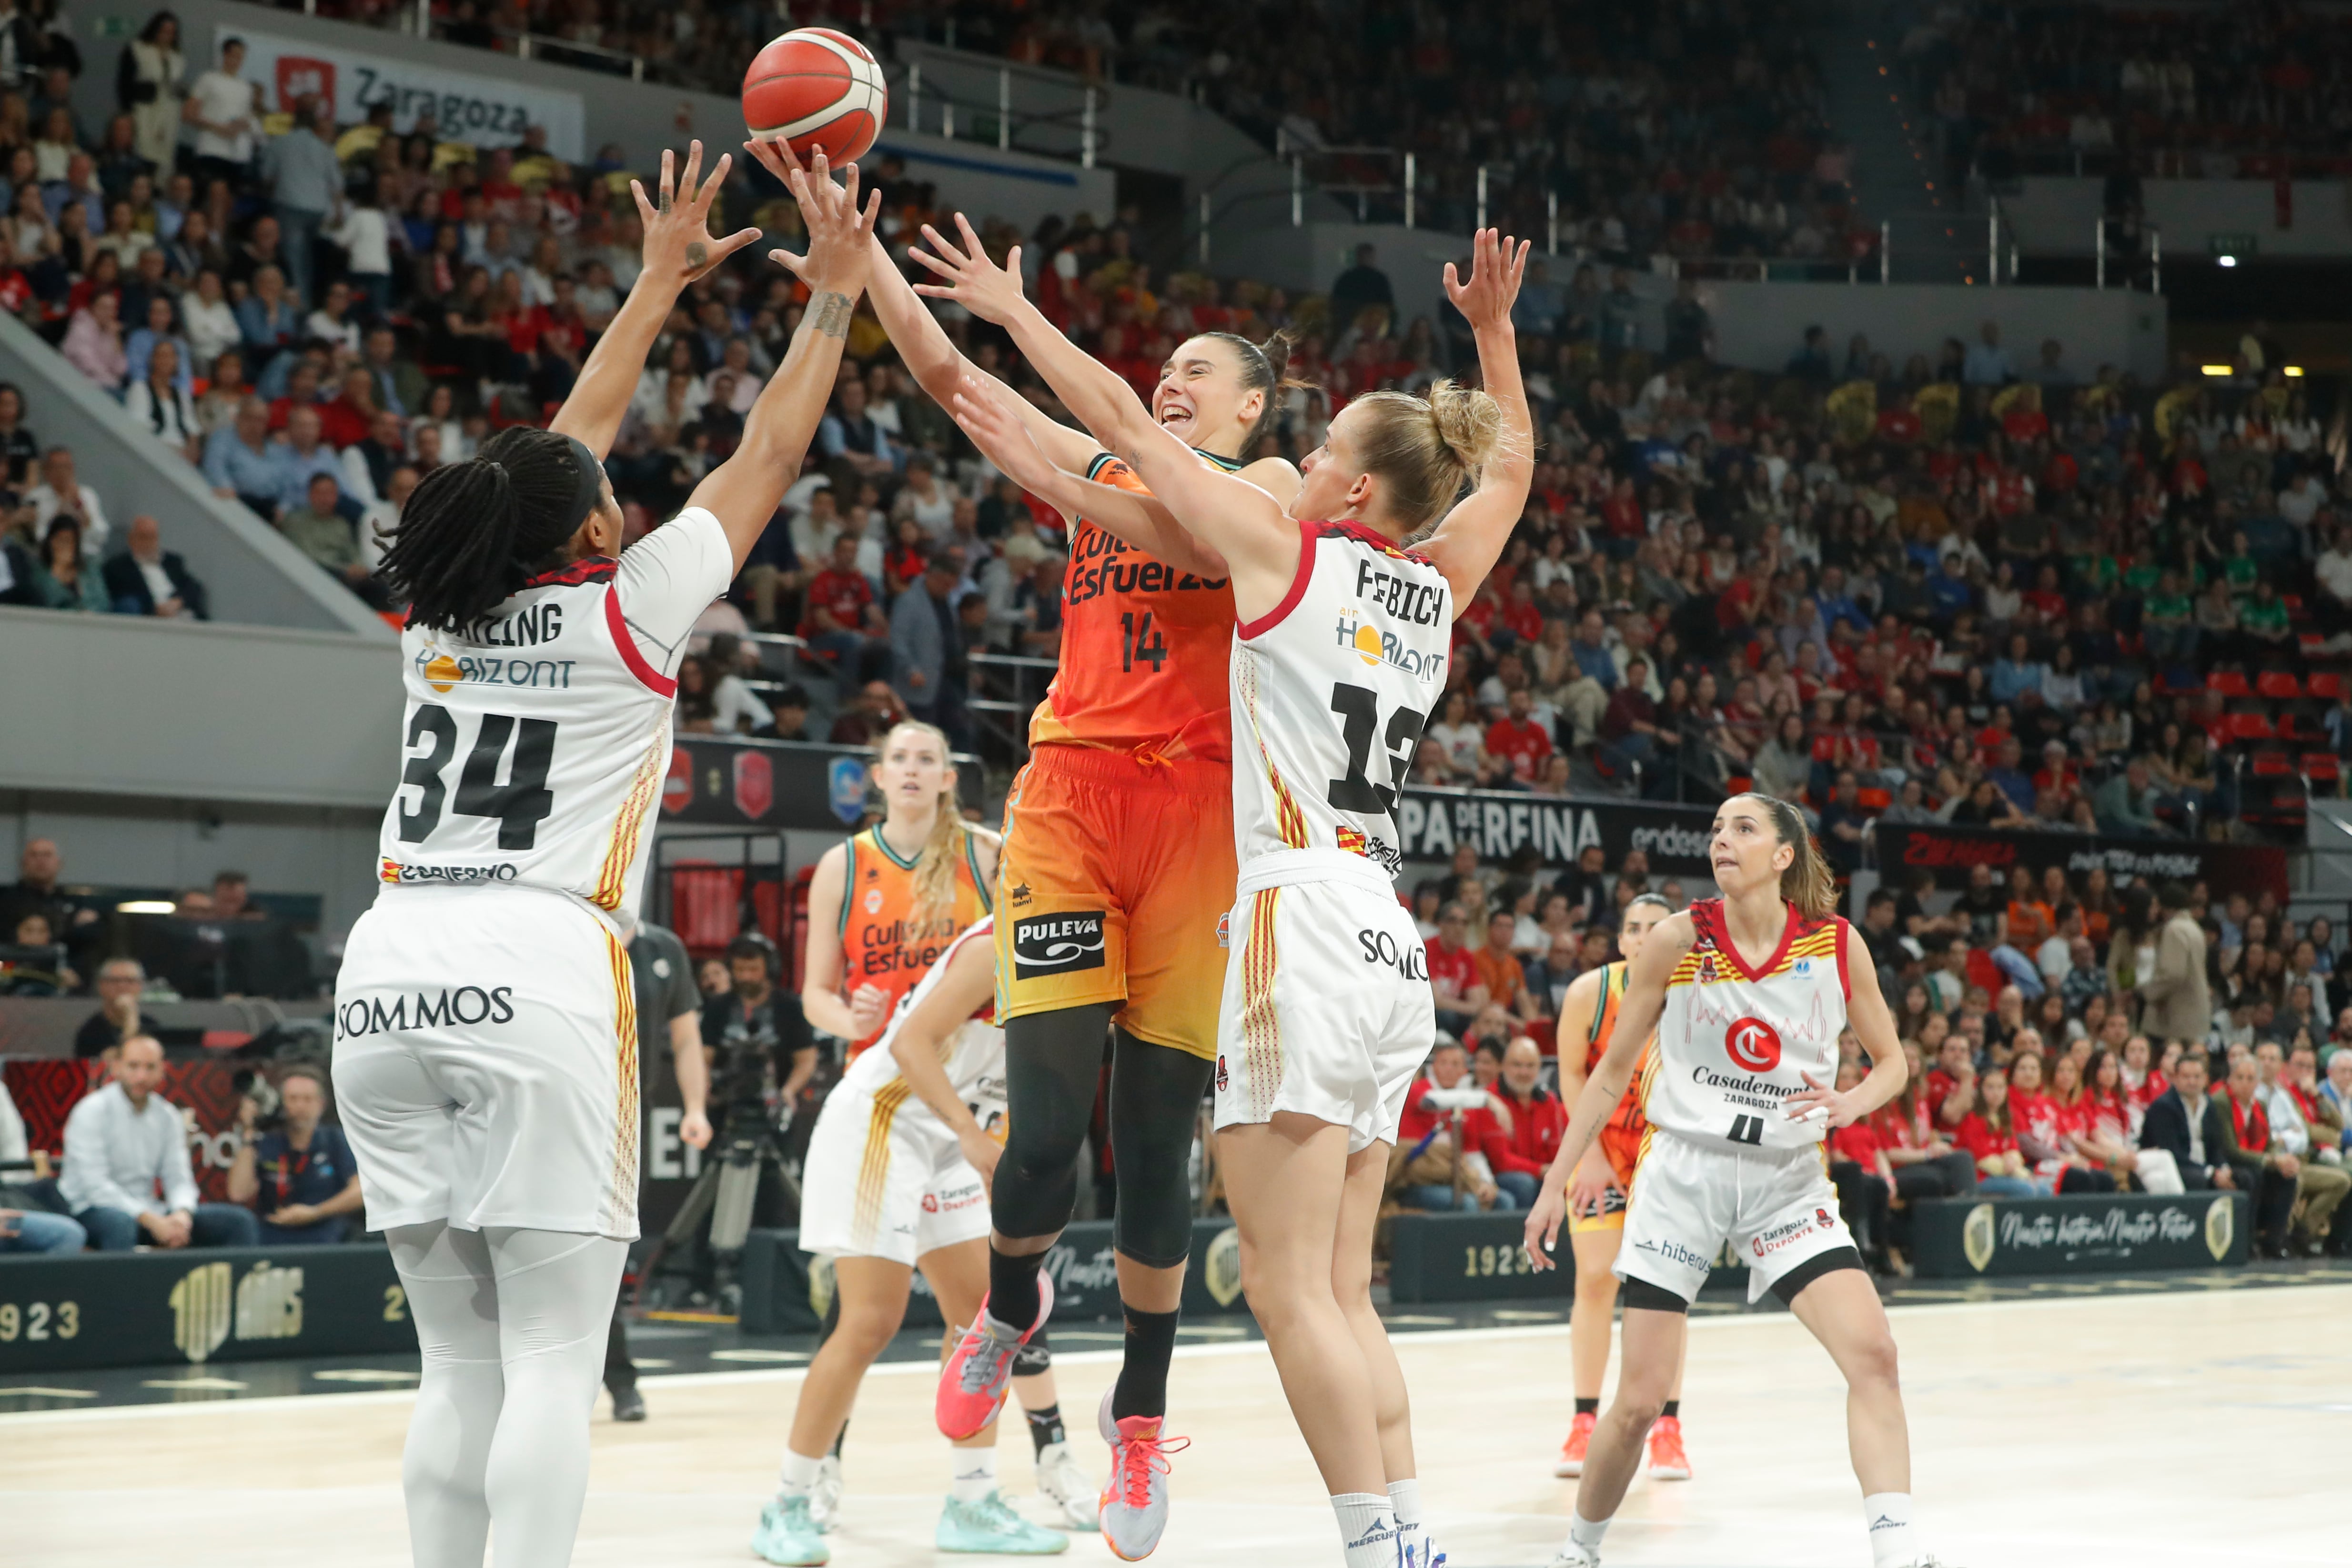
point(494, 462)
point(588, 486)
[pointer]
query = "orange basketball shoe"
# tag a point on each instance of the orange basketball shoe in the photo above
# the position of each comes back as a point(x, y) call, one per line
point(1667, 1461)
point(1579, 1437)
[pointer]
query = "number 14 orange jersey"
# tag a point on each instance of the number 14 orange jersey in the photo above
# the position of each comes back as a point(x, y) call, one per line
point(1144, 647)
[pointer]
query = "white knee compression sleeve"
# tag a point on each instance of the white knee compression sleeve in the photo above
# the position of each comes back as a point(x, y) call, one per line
point(555, 1304)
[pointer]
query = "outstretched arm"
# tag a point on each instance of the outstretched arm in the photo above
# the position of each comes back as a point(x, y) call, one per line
point(1469, 539)
point(678, 250)
point(935, 363)
point(1240, 521)
point(743, 491)
point(983, 407)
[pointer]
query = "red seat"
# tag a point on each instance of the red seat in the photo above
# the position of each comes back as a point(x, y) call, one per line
point(1874, 800)
point(2278, 685)
point(1544, 1033)
point(2321, 766)
point(2250, 726)
point(2293, 602)
point(2313, 645)
point(2326, 685)
point(2272, 765)
point(1984, 972)
point(2229, 683)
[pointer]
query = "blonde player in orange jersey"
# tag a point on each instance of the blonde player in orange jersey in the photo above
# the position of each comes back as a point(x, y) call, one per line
point(1598, 1189)
point(884, 904)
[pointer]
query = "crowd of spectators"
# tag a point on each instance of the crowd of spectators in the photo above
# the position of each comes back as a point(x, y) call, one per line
point(2253, 90)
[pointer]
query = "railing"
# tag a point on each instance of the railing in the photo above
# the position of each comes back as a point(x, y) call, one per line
point(2063, 158)
point(1005, 689)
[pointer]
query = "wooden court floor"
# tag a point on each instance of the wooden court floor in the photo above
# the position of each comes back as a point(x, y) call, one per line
point(2197, 1429)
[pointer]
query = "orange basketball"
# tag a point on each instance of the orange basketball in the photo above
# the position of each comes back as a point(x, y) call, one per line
point(815, 89)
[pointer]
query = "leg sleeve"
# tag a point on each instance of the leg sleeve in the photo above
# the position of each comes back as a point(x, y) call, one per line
point(1155, 1104)
point(453, 1301)
point(1053, 1064)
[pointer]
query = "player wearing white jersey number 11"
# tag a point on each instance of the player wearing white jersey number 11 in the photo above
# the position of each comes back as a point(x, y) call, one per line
point(1748, 994)
point(1346, 606)
point(485, 1030)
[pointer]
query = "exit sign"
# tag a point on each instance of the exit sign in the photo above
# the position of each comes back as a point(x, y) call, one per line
point(112, 28)
point(2230, 244)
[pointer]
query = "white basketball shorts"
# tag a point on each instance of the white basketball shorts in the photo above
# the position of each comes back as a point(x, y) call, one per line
point(486, 1062)
point(1776, 1207)
point(1327, 1010)
point(884, 1179)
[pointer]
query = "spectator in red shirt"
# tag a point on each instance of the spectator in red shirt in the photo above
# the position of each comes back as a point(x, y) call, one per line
point(1951, 1084)
point(1989, 1139)
point(1499, 970)
point(1429, 1174)
point(1518, 738)
point(1453, 971)
point(1520, 1132)
point(842, 622)
point(1864, 1180)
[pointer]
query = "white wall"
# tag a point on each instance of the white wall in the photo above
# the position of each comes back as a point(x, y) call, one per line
point(2056, 216)
point(180, 711)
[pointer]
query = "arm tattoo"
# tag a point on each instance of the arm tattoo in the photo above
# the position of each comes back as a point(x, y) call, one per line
point(697, 255)
point(831, 312)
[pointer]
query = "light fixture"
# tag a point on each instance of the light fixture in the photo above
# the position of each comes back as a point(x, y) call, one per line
point(2295, 370)
point(2225, 261)
point(2215, 369)
point(145, 906)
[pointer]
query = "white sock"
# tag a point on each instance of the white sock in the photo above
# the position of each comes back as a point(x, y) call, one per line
point(1584, 1532)
point(1367, 1530)
point(799, 1475)
point(1404, 1500)
point(1888, 1515)
point(975, 1475)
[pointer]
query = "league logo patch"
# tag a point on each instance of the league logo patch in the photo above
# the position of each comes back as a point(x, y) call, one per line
point(845, 788)
point(1048, 944)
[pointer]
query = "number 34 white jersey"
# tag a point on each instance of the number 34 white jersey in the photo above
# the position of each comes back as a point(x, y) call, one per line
point(1735, 1043)
point(1331, 691)
point(536, 740)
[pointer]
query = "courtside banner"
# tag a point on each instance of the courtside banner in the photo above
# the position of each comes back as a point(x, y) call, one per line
point(1950, 852)
point(1433, 823)
point(1961, 1237)
point(731, 783)
point(784, 1291)
point(78, 1311)
point(481, 111)
point(1479, 1258)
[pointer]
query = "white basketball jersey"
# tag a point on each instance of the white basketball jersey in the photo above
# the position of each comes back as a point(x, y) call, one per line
point(1733, 1042)
point(1331, 691)
point(975, 1051)
point(536, 739)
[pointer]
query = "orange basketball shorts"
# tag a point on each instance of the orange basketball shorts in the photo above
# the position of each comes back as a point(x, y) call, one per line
point(1114, 882)
point(1622, 1150)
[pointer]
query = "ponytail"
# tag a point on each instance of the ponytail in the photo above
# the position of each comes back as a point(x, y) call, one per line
point(1808, 882)
point(1427, 449)
point(475, 532)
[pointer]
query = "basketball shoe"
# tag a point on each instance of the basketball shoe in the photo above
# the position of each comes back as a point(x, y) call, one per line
point(1134, 1505)
point(1061, 1481)
point(989, 1525)
point(1579, 1439)
point(1574, 1557)
point(787, 1536)
point(824, 1496)
point(1667, 1461)
point(972, 1383)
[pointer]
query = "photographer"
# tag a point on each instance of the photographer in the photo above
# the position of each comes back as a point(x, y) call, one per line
point(755, 1021)
point(663, 975)
point(299, 1175)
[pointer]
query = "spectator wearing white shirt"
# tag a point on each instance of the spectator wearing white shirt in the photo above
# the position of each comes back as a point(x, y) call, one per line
point(221, 106)
point(161, 403)
point(332, 322)
point(61, 491)
point(2056, 956)
point(127, 1174)
point(25, 1228)
point(209, 319)
point(383, 515)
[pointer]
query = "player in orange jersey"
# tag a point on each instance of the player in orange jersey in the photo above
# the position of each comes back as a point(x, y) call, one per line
point(1117, 865)
point(886, 900)
point(1598, 1189)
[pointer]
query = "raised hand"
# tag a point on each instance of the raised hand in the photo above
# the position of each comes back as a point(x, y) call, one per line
point(678, 243)
point(1496, 265)
point(841, 237)
point(989, 291)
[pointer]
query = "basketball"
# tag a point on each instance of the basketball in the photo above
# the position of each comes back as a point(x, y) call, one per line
point(816, 90)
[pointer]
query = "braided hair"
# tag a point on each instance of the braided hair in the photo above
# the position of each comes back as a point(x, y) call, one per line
point(474, 532)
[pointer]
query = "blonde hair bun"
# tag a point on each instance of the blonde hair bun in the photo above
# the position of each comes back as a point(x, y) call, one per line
point(1469, 422)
